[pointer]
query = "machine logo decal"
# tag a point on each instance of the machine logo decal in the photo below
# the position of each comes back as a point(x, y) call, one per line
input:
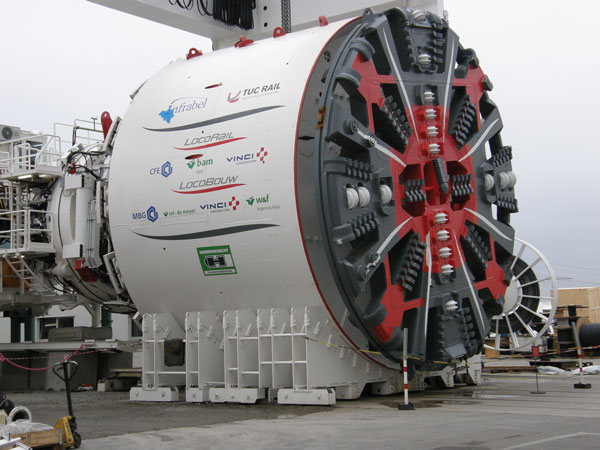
point(216, 260)
point(257, 200)
point(223, 206)
point(196, 162)
point(262, 154)
point(209, 184)
point(212, 140)
point(249, 157)
point(221, 119)
point(214, 189)
point(267, 208)
point(165, 170)
point(235, 98)
point(139, 215)
point(208, 234)
point(167, 115)
point(254, 92)
point(234, 203)
point(182, 105)
point(179, 213)
point(262, 203)
point(152, 214)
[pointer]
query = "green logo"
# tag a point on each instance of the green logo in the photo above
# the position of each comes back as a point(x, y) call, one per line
point(258, 200)
point(179, 213)
point(199, 163)
point(216, 260)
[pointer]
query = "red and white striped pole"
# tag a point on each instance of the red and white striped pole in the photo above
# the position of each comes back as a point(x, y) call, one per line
point(535, 352)
point(407, 406)
point(581, 384)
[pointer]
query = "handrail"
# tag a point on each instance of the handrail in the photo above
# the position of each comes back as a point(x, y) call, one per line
point(20, 233)
point(75, 126)
point(23, 153)
point(32, 138)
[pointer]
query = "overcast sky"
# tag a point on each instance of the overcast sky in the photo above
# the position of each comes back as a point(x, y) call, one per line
point(67, 59)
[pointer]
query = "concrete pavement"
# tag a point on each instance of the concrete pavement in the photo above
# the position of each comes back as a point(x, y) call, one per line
point(499, 414)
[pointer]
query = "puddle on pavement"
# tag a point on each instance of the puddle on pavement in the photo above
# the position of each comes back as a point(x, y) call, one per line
point(455, 398)
point(476, 394)
point(432, 403)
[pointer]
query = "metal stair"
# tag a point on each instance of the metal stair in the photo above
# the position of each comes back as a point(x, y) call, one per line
point(29, 282)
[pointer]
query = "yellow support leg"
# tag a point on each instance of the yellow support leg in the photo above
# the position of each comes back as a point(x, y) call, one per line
point(63, 424)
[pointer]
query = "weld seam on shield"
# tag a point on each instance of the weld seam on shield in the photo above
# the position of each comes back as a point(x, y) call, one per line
point(212, 233)
point(216, 119)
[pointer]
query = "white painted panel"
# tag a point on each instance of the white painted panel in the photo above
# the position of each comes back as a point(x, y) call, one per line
point(227, 162)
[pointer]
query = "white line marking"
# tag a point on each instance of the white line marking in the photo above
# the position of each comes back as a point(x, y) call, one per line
point(471, 288)
point(385, 243)
point(381, 148)
point(450, 72)
point(401, 83)
point(556, 438)
point(392, 234)
point(428, 261)
point(488, 223)
point(482, 138)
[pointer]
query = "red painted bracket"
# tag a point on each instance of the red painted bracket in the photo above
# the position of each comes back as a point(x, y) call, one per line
point(243, 42)
point(193, 53)
point(85, 273)
point(278, 32)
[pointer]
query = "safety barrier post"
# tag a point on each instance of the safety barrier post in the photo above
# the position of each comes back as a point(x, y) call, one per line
point(535, 352)
point(406, 406)
point(581, 384)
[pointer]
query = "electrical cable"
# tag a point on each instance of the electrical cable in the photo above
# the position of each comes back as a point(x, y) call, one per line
point(182, 3)
point(54, 280)
point(237, 13)
point(576, 267)
point(88, 170)
point(204, 11)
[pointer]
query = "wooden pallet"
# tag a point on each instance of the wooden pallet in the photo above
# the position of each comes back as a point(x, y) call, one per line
point(561, 363)
point(47, 439)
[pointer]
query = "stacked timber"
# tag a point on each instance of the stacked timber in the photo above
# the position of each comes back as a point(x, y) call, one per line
point(586, 299)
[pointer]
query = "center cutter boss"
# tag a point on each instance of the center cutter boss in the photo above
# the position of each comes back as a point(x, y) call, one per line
point(365, 192)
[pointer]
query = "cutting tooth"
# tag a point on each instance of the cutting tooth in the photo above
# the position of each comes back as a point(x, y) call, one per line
point(447, 269)
point(432, 131)
point(445, 252)
point(434, 149)
point(424, 59)
point(443, 235)
point(428, 96)
point(451, 305)
point(419, 15)
point(441, 218)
